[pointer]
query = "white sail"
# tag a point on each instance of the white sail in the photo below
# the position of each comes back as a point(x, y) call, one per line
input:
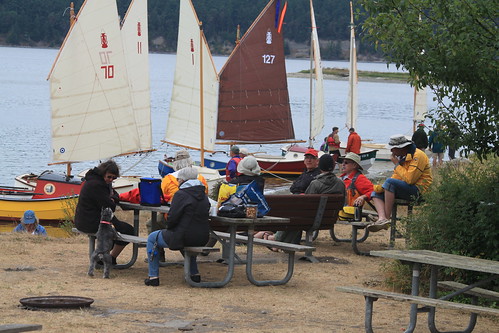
point(352, 78)
point(92, 116)
point(134, 32)
point(317, 119)
point(186, 114)
point(420, 104)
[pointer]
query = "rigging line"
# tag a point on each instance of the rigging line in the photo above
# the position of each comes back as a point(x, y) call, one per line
point(146, 155)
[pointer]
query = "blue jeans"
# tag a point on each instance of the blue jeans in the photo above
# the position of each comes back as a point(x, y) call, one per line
point(401, 189)
point(157, 237)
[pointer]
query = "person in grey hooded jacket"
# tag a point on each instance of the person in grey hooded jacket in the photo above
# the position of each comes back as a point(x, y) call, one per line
point(326, 182)
point(187, 224)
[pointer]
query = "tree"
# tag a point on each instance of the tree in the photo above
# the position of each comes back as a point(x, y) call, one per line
point(451, 47)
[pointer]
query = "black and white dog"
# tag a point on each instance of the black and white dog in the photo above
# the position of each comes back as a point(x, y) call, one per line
point(105, 242)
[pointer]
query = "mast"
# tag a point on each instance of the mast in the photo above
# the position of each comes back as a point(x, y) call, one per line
point(71, 13)
point(310, 139)
point(201, 109)
point(352, 79)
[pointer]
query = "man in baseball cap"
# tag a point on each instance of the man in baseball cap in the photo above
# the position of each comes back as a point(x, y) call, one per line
point(311, 162)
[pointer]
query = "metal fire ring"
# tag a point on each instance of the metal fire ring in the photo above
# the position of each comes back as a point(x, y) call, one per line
point(57, 302)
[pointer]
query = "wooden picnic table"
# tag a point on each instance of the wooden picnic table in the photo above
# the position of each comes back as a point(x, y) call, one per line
point(229, 252)
point(436, 260)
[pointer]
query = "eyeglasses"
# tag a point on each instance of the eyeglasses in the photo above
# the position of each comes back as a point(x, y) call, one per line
point(346, 162)
point(111, 177)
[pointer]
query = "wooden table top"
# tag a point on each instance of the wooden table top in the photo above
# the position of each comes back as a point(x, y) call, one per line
point(247, 221)
point(159, 209)
point(441, 259)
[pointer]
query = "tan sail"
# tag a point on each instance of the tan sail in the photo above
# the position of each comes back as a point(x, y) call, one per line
point(92, 115)
point(253, 100)
point(184, 125)
point(352, 78)
point(134, 32)
point(317, 107)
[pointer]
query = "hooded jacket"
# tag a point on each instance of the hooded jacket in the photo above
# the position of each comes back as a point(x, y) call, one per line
point(95, 194)
point(187, 223)
point(326, 183)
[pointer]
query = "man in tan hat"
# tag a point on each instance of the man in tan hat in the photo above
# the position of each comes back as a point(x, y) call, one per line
point(358, 187)
point(411, 177)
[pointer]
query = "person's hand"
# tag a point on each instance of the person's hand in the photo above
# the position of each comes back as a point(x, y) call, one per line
point(359, 202)
point(395, 159)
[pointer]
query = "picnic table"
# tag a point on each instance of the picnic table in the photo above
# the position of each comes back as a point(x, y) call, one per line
point(417, 258)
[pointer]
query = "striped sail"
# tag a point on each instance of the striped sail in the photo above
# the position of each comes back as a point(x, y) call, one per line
point(317, 111)
point(134, 33)
point(352, 78)
point(191, 122)
point(92, 115)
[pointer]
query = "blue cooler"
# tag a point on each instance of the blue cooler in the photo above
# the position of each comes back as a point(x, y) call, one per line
point(150, 191)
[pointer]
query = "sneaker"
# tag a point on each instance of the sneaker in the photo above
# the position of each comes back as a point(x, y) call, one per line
point(196, 278)
point(372, 218)
point(151, 282)
point(379, 225)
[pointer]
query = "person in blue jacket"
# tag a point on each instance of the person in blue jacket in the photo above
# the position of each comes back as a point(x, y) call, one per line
point(29, 224)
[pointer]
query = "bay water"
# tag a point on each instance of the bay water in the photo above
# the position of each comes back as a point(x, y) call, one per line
point(385, 109)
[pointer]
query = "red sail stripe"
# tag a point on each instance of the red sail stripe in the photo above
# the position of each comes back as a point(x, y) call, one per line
point(282, 17)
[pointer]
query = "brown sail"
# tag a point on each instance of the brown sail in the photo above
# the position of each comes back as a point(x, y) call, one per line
point(253, 102)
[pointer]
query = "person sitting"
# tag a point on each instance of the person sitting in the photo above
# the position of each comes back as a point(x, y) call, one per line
point(358, 187)
point(325, 183)
point(97, 192)
point(312, 170)
point(231, 167)
point(187, 224)
point(30, 224)
point(248, 170)
point(354, 142)
point(411, 177)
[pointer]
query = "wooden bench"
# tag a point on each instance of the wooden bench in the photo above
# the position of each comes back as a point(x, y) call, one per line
point(14, 328)
point(372, 295)
point(474, 292)
point(189, 251)
point(307, 212)
point(288, 248)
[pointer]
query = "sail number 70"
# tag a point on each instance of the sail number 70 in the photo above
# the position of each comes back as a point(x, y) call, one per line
point(268, 58)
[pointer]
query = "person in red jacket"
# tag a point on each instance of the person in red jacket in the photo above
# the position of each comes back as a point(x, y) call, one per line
point(354, 142)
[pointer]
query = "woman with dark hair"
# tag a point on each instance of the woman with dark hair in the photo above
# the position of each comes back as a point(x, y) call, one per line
point(97, 193)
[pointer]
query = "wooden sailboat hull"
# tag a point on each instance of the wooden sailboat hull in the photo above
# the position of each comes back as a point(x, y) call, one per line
point(54, 209)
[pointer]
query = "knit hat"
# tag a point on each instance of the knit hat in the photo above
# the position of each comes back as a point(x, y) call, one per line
point(249, 166)
point(398, 141)
point(187, 173)
point(326, 163)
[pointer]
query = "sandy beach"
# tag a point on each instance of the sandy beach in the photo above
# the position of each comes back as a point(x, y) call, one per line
point(44, 266)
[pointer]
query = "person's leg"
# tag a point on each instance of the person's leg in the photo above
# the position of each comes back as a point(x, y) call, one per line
point(389, 201)
point(154, 242)
point(379, 204)
point(124, 228)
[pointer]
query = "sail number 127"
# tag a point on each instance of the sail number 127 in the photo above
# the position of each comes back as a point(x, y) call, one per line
point(268, 59)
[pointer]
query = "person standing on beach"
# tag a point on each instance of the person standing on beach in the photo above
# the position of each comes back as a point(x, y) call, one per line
point(420, 138)
point(437, 148)
point(354, 142)
point(231, 167)
point(333, 142)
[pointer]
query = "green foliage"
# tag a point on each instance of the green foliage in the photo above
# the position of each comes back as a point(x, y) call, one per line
point(451, 47)
point(460, 213)
point(69, 208)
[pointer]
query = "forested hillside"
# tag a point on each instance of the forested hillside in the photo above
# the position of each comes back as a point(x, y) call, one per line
point(45, 23)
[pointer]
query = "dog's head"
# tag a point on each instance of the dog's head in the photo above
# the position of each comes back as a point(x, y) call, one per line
point(106, 214)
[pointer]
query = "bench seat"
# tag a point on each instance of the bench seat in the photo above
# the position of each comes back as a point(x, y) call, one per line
point(372, 295)
point(286, 247)
point(477, 292)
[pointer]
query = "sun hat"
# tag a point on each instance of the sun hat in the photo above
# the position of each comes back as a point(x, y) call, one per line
point(187, 173)
point(312, 151)
point(326, 162)
point(353, 157)
point(29, 217)
point(181, 154)
point(244, 151)
point(234, 149)
point(398, 141)
point(249, 166)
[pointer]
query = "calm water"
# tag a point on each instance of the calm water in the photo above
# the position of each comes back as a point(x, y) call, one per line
point(384, 109)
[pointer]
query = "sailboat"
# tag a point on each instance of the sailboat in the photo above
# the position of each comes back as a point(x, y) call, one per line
point(367, 155)
point(193, 111)
point(291, 163)
point(93, 102)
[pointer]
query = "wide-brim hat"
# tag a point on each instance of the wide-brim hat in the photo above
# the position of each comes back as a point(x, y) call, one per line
point(398, 141)
point(29, 217)
point(353, 157)
point(249, 166)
